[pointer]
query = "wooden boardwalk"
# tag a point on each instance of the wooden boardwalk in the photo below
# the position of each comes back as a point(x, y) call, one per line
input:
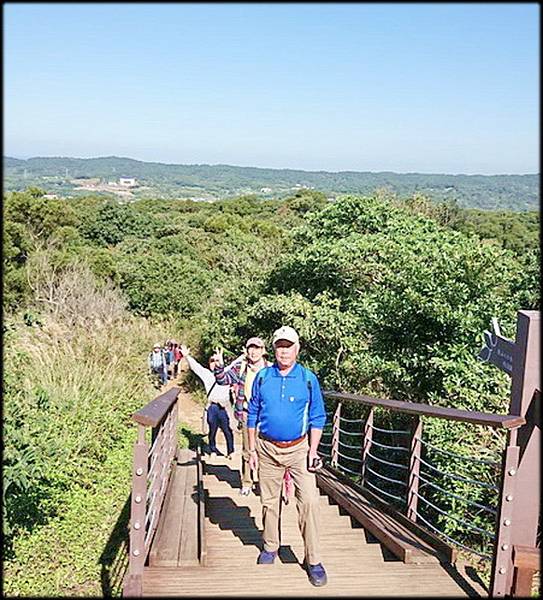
point(356, 563)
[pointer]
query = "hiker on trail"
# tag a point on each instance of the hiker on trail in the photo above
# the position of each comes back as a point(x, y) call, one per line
point(176, 357)
point(157, 363)
point(219, 408)
point(168, 352)
point(286, 404)
point(240, 374)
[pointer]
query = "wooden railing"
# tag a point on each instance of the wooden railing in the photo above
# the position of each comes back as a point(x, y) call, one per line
point(150, 475)
point(517, 487)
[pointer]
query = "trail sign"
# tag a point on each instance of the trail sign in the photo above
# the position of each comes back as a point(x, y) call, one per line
point(497, 350)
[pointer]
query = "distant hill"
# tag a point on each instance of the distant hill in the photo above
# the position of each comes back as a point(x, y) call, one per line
point(56, 175)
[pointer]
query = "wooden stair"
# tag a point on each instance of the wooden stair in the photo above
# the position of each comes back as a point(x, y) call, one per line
point(405, 539)
point(357, 564)
point(176, 542)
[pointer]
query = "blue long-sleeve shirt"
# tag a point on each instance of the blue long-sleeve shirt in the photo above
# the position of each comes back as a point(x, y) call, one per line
point(285, 407)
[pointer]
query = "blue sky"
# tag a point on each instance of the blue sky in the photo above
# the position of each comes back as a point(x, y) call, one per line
point(428, 88)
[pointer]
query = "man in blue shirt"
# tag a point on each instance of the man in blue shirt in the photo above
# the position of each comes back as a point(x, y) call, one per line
point(286, 405)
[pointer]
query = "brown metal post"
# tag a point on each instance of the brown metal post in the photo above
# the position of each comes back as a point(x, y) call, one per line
point(414, 469)
point(366, 443)
point(136, 559)
point(334, 456)
point(523, 505)
point(502, 562)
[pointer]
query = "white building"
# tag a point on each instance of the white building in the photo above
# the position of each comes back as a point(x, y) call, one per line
point(127, 181)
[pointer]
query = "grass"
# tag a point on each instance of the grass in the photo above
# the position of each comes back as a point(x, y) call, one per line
point(68, 396)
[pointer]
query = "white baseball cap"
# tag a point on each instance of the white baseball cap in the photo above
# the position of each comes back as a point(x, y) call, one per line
point(285, 333)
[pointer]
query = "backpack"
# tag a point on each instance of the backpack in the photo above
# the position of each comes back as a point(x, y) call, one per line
point(156, 360)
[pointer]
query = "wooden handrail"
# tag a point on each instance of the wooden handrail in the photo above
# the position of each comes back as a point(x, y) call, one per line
point(150, 475)
point(451, 414)
point(153, 412)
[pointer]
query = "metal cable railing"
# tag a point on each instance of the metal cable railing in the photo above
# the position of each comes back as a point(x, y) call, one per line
point(450, 539)
point(457, 477)
point(384, 477)
point(463, 499)
point(390, 447)
point(389, 430)
point(383, 492)
point(380, 481)
point(449, 516)
point(348, 445)
point(344, 468)
point(459, 456)
point(386, 462)
point(350, 432)
point(465, 479)
point(349, 457)
point(350, 420)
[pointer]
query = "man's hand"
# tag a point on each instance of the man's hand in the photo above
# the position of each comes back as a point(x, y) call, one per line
point(184, 350)
point(218, 356)
point(253, 460)
point(314, 461)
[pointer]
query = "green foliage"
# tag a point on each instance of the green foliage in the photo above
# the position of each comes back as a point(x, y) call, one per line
point(389, 295)
point(158, 284)
point(305, 200)
point(518, 232)
point(114, 222)
point(41, 216)
point(68, 396)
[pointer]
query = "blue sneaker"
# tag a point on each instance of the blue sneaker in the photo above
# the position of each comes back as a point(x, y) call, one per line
point(317, 574)
point(266, 558)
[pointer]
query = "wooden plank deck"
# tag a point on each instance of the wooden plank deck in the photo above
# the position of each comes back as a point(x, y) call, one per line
point(176, 540)
point(356, 563)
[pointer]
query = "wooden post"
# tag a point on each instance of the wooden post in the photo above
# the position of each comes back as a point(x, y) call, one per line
point(136, 559)
point(502, 563)
point(414, 469)
point(335, 436)
point(526, 561)
point(524, 494)
point(366, 443)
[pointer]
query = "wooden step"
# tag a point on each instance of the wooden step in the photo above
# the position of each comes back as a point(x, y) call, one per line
point(176, 539)
point(355, 565)
point(233, 578)
point(396, 535)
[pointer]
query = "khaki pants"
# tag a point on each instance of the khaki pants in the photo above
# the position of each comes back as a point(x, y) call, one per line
point(272, 463)
point(246, 475)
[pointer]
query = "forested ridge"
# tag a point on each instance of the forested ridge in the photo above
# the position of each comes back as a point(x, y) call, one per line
point(57, 175)
point(390, 296)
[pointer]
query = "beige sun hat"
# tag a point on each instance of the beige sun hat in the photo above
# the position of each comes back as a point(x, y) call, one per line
point(285, 333)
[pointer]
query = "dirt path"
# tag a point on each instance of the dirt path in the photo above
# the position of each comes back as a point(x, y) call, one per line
point(190, 411)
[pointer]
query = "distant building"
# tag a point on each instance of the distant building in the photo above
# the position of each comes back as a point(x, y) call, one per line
point(127, 181)
point(265, 190)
